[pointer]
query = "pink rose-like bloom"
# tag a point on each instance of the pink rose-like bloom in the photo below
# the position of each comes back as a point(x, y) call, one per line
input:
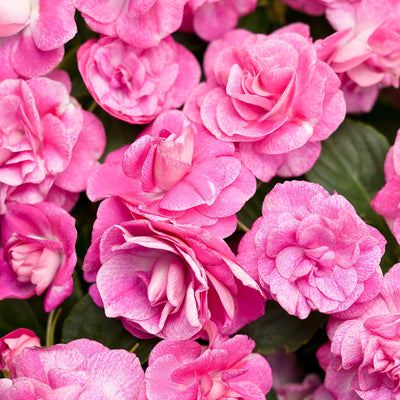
point(386, 201)
point(48, 144)
point(210, 19)
point(166, 281)
point(226, 369)
point(81, 369)
point(365, 50)
point(136, 85)
point(362, 360)
point(271, 94)
point(12, 345)
point(38, 247)
point(177, 171)
point(140, 23)
point(33, 34)
point(312, 251)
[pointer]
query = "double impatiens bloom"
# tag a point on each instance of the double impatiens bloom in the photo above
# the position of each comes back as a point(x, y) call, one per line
point(158, 260)
point(311, 251)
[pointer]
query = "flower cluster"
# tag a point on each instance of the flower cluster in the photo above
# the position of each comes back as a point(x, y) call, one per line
point(163, 259)
point(79, 369)
point(86, 369)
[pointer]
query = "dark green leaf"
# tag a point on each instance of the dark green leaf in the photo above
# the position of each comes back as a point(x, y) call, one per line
point(385, 115)
point(28, 314)
point(85, 214)
point(277, 330)
point(268, 16)
point(67, 305)
point(271, 395)
point(119, 133)
point(86, 320)
point(351, 163)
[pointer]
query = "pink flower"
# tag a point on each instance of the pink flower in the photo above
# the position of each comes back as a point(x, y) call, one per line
point(361, 362)
point(312, 251)
point(288, 382)
point(311, 388)
point(210, 19)
point(82, 369)
point(272, 95)
point(12, 345)
point(38, 245)
point(386, 201)
point(226, 369)
point(33, 34)
point(166, 281)
point(177, 171)
point(365, 49)
point(140, 23)
point(136, 85)
point(48, 145)
point(312, 7)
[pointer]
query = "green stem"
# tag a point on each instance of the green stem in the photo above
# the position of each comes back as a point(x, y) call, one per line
point(92, 106)
point(133, 349)
point(51, 326)
point(242, 226)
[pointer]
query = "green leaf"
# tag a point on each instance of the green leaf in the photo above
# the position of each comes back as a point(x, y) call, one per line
point(385, 115)
point(268, 16)
point(277, 330)
point(85, 214)
point(86, 320)
point(119, 133)
point(28, 314)
point(67, 305)
point(351, 163)
point(271, 395)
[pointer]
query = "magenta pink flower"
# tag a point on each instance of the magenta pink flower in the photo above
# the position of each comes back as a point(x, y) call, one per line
point(312, 251)
point(272, 95)
point(82, 369)
point(226, 369)
point(38, 246)
point(312, 7)
point(386, 201)
point(365, 50)
point(361, 362)
point(140, 23)
point(210, 19)
point(33, 34)
point(166, 281)
point(12, 344)
point(178, 172)
point(48, 144)
point(311, 388)
point(288, 379)
point(136, 85)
